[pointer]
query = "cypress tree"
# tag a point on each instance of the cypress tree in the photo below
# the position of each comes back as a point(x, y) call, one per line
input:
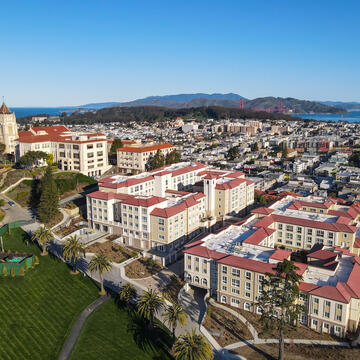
point(49, 199)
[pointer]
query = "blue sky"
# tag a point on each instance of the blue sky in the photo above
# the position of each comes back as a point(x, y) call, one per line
point(75, 52)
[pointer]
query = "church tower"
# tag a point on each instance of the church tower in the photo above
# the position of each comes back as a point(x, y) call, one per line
point(8, 129)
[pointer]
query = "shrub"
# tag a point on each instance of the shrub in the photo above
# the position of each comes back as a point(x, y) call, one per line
point(36, 260)
point(12, 272)
point(26, 266)
point(4, 271)
point(151, 263)
point(133, 254)
point(22, 271)
point(20, 195)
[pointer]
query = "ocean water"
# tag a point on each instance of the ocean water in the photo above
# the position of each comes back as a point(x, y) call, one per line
point(353, 116)
point(23, 111)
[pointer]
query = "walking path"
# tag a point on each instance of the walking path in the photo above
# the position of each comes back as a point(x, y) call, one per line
point(78, 324)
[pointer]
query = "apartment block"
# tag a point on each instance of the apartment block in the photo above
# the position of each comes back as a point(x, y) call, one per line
point(231, 264)
point(161, 210)
point(86, 153)
point(134, 159)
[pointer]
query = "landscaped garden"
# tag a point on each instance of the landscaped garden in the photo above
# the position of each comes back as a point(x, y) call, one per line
point(112, 333)
point(224, 327)
point(142, 268)
point(294, 332)
point(115, 253)
point(298, 352)
point(38, 310)
point(172, 289)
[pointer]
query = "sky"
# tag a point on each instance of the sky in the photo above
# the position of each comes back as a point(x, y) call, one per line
point(62, 52)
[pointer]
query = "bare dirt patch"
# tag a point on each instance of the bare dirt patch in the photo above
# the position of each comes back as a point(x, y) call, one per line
point(224, 327)
point(114, 252)
point(142, 268)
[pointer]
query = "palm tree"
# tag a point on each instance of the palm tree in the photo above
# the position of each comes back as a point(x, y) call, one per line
point(73, 250)
point(175, 314)
point(128, 294)
point(43, 235)
point(149, 305)
point(100, 263)
point(192, 347)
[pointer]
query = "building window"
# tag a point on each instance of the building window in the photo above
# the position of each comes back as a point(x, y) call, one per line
point(223, 299)
point(224, 269)
point(235, 282)
point(224, 279)
point(247, 306)
point(235, 272)
point(248, 275)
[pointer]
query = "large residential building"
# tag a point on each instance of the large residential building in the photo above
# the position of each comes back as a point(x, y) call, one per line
point(8, 129)
point(134, 159)
point(232, 263)
point(86, 153)
point(161, 210)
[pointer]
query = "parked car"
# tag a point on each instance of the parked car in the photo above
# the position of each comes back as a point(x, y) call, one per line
point(11, 203)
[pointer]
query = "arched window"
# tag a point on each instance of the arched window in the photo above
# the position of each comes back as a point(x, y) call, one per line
point(247, 306)
point(189, 277)
point(196, 279)
point(223, 299)
point(204, 282)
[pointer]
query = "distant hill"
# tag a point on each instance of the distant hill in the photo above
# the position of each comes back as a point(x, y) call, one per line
point(154, 114)
point(298, 106)
point(353, 105)
point(184, 101)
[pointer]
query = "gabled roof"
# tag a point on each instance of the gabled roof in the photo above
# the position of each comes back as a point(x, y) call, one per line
point(233, 183)
point(259, 235)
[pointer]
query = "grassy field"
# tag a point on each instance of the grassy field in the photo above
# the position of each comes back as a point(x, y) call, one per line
point(37, 310)
point(111, 333)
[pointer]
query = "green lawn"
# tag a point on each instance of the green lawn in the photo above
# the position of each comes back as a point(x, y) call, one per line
point(37, 311)
point(111, 333)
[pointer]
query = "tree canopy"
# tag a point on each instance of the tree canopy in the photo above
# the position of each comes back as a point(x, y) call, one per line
point(30, 158)
point(49, 198)
point(157, 161)
point(117, 143)
point(173, 157)
point(278, 302)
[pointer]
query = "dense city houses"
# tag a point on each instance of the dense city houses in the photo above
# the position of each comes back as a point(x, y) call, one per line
point(83, 152)
point(232, 263)
point(161, 210)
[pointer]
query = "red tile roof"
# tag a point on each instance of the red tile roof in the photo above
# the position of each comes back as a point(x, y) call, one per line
point(144, 202)
point(280, 254)
point(262, 210)
point(332, 292)
point(4, 109)
point(248, 264)
point(322, 254)
point(314, 224)
point(142, 149)
point(203, 251)
point(259, 235)
point(230, 184)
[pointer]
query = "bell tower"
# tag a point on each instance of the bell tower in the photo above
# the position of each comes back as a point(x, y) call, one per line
point(8, 129)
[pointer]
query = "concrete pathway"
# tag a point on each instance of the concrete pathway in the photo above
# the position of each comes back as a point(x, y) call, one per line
point(287, 341)
point(76, 329)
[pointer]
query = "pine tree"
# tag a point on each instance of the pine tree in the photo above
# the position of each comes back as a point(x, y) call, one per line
point(173, 157)
point(49, 199)
point(22, 271)
point(157, 161)
point(278, 301)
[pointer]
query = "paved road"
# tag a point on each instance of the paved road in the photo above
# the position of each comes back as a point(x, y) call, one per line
point(79, 322)
point(79, 195)
point(16, 212)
